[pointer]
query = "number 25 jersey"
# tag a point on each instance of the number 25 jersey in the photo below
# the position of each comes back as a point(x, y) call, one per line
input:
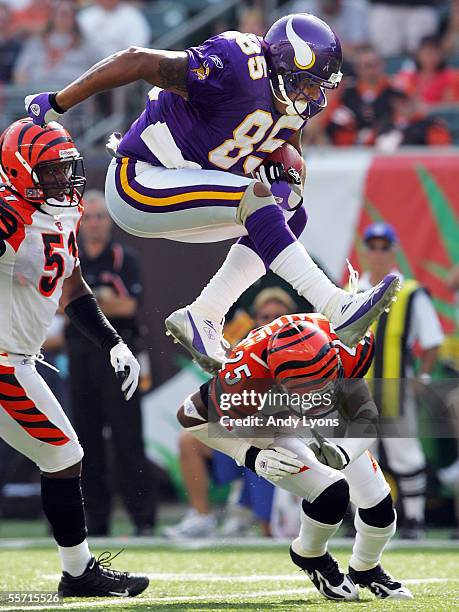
point(37, 252)
point(246, 367)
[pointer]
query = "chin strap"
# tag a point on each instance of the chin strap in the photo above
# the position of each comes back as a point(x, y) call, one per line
point(284, 99)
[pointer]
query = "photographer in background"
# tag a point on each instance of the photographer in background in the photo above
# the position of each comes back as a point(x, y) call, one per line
point(113, 273)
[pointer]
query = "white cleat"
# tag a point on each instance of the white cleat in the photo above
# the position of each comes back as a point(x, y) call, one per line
point(203, 338)
point(354, 316)
point(381, 584)
point(193, 525)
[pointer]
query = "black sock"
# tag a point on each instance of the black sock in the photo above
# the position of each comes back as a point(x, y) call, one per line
point(63, 506)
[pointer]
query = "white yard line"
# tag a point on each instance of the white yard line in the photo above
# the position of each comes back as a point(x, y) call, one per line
point(217, 543)
point(298, 577)
point(126, 602)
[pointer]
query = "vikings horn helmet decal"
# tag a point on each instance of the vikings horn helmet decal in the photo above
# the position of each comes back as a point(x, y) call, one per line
point(304, 56)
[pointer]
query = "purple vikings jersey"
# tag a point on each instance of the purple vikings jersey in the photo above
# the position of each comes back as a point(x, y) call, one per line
point(229, 121)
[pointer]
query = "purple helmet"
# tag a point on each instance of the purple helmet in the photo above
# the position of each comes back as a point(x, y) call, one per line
point(302, 50)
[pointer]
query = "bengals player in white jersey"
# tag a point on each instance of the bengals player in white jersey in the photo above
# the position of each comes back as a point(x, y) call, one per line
point(302, 352)
point(42, 182)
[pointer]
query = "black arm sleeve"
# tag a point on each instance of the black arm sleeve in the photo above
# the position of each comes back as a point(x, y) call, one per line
point(88, 318)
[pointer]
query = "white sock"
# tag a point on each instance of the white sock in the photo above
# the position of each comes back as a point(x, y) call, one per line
point(414, 507)
point(313, 538)
point(369, 544)
point(241, 268)
point(74, 559)
point(295, 266)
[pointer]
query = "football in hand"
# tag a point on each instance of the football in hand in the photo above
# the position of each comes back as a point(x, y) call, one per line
point(288, 156)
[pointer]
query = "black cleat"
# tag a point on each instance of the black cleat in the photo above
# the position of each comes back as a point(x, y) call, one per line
point(380, 584)
point(100, 581)
point(326, 576)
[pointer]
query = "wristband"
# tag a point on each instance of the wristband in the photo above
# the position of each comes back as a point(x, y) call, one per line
point(250, 458)
point(54, 105)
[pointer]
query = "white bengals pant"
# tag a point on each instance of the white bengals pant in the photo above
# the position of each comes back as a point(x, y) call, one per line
point(367, 485)
point(31, 419)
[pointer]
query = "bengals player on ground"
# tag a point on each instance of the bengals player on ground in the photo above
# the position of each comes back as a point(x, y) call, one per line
point(248, 361)
point(303, 350)
point(43, 179)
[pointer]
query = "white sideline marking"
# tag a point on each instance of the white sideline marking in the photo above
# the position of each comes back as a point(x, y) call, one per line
point(212, 597)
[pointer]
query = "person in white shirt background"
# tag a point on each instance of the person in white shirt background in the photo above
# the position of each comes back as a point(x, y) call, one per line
point(114, 25)
point(412, 321)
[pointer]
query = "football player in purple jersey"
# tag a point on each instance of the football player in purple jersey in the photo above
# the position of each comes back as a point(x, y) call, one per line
point(184, 169)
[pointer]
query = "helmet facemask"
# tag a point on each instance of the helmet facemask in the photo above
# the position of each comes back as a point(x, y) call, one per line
point(299, 102)
point(57, 179)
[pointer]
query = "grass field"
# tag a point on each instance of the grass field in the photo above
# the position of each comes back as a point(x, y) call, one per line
point(247, 577)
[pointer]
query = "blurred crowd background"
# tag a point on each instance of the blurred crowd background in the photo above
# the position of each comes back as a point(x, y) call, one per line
point(400, 95)
point(401, 83)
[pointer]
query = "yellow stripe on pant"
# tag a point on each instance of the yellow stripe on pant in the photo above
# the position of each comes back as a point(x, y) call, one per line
point(179, 198)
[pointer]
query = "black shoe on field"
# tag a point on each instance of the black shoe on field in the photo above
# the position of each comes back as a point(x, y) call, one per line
point(380, 584)
point(100, 581)
point(326, 576)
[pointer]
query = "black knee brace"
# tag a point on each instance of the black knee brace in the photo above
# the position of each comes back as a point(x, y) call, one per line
point(381, 515)
point(331, 504)
point(63, 506)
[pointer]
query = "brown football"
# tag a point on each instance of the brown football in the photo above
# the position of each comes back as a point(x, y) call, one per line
point(288, 156)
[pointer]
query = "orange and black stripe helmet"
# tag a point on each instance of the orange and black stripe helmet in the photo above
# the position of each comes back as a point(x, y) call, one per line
point(357, 361)
point(41, 164)
point(302, 357)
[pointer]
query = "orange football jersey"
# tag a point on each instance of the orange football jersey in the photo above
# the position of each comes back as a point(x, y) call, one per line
point(247, 369)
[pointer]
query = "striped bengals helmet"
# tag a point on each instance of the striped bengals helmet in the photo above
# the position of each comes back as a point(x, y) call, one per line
point(302, 357)
point(42, 165)
point(357, 361)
